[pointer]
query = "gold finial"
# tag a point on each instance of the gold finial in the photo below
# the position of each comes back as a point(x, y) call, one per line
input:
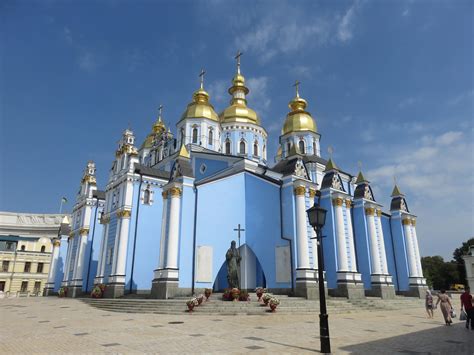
point(330, 151)
point(296, 85)
point(201, 75)
point(160, 111)
point(239, 54)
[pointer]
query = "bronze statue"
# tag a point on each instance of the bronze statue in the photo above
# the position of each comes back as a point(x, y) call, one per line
point(233, 265)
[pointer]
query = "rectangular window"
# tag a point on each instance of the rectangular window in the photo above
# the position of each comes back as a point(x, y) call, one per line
point(40, 268)
point(24, 286)
point(37, 287)
point(2, 286)
point(5, 264)
point(27, 267)
point(9, 246)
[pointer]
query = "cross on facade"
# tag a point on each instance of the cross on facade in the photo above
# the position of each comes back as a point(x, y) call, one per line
point(238, 230)
point(296, 85)
point(239, 54)
point(201, 75)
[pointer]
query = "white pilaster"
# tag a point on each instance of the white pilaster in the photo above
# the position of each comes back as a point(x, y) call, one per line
point(103, 253)
point(301, 229)
point(164, 220)
point(121, 259)
point(383, 252)
point(373, 243)
point(417, 250)
point(350, 233)
point(410, 248)
point(173, 230)
point(54, 263)
point(67, 263)
point(81, 251)
point(342, 261)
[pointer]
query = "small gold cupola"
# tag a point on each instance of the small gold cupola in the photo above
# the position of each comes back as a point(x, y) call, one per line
point(238, 110)
point(158, 128)
point(298, 119)
point(200, 106)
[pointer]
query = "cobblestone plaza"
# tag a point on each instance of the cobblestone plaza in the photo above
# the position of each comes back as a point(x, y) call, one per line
point(52, 325)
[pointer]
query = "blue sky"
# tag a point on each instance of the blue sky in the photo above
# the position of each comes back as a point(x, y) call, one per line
point(390, 84)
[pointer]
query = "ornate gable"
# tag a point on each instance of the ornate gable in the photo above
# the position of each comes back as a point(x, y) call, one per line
point(300, 170)
point(337, 183)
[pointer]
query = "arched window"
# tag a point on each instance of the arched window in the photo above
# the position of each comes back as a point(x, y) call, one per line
point(301, 146)
point(23, 248)
point(227, 146)
point(314, 147)
point(182, 136)
point(288, 147)
point(146, 196)
point(195, 135)
point(242, 147)
point(264, 153)
point(210, 136)
point(43, 248)
point(255, 148)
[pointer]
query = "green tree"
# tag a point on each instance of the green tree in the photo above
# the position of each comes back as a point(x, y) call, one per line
point(438, 273)
point(457, 256)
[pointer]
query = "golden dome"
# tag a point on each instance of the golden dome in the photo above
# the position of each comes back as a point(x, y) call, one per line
point(159, 126)
point(298, 120)
point(238, 110)
point(148, 142)
point(200, 107)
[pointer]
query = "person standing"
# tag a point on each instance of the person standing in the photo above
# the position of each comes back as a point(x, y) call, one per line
point(466, 303)
point(445, 306)
point(429, 303)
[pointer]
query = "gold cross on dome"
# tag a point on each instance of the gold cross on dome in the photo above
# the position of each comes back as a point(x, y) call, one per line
point(201, 75)
point(160, 110)
point(239, 54)
point(296, 85)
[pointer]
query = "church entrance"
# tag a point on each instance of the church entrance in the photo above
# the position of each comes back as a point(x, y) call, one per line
point(251, 274)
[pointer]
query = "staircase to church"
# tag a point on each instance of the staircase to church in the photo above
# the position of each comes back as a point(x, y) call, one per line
point(215, 305)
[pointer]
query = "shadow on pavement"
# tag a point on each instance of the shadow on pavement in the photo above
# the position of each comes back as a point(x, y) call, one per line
point(455, 339)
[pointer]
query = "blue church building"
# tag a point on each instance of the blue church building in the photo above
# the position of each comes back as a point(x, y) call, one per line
point(171, 207)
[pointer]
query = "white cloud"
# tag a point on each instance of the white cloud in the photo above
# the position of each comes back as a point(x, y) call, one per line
point(67, 35)
point(286, 29)
point(406, 12)
point(258, 97)
point(88, 61)
point(436, 174)
point(468, 95)
point(408, 102)
point(218, 91)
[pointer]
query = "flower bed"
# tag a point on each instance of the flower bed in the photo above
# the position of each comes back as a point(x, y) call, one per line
point(62, 291)
point(98, 291)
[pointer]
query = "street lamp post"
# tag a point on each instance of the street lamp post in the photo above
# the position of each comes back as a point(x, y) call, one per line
point(317, 218)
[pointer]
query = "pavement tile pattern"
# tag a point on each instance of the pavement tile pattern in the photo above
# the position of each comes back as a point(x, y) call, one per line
point(68, 326)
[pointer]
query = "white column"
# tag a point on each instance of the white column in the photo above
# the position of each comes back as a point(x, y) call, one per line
point(81, 252)
point(417, 250)
point(410, 247)
point(54, 263)
point(340, 236)
point(121, 259)
point(383, 253)
point(353, 256)
point(301, 229)
point(173, 230)
point(67, 263)
point(103, 252)
point(374, 252)
point(164, 220)
point(314, 242)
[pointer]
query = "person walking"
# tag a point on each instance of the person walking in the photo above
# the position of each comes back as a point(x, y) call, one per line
point(429, 303)
point(445, 306)
point(466, 303)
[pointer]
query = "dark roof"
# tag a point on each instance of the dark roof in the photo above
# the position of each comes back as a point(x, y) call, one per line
point(360, 191)
point(99, 194)
point(145, 170)
point(285, 167)
point(327, 180)
point(314, 159)
point(185, 166)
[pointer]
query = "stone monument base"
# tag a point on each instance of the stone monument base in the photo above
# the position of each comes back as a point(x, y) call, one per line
point(114, 290)
point(165, 284)
point(306, 284)
point(349, 285)
point(74, 291)
point(381, 286)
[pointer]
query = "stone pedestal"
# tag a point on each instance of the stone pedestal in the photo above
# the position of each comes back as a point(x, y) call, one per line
point(417, 287)
point(49, 291)
point(165, 284)
point(74, 291)
point(114, 290)
point(381, 286)
point(349, 285)
point(306, 284)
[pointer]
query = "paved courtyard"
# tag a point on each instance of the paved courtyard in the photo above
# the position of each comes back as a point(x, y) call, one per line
point(53, 325)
